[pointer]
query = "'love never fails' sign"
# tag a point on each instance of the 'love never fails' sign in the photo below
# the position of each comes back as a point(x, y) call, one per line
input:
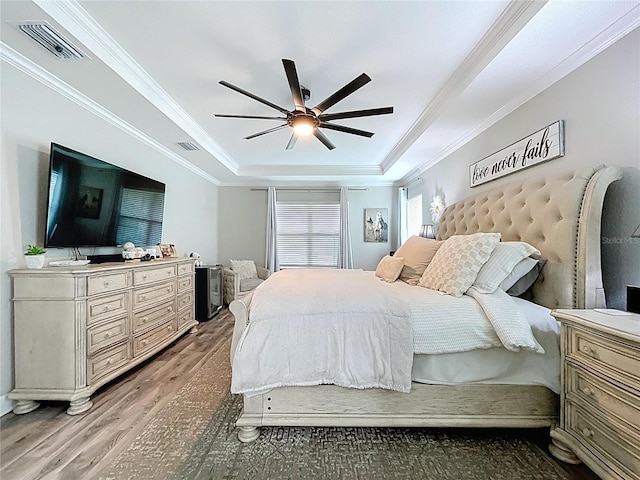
point(545, 144)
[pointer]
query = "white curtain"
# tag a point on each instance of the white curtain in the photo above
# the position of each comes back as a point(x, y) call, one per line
point(402, 215)
point(271, 257)
point(345, 256)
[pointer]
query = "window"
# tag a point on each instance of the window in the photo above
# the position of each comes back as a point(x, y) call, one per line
point(308, 235)
point(140, 217)
point(414, 215)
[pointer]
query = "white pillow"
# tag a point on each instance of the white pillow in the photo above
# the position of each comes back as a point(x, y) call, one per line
point(457, 262)
point(389, 268)
point(244, 268)
point(523, 267)
point(502, 261)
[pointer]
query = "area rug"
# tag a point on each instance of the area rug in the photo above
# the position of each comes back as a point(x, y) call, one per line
point(194, 437)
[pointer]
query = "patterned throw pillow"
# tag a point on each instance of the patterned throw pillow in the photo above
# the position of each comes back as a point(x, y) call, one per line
point(456, 264)
point(389, 268)
point(244, 268)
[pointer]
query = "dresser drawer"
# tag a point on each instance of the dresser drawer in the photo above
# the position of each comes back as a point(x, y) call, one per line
point(185, 317)
point(185, 283)
point(148, 296)
point(106, 307)
point(107, 283)
point(153, 337)
point(152, 316)
point(108, 333)
point(619, 446)
point(186, 268)
point(150, 275)
point(604, 354)
point(185, 300)
point(108, 361)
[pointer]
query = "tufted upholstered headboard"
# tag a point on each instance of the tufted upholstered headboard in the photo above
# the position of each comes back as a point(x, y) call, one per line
point(558, 214)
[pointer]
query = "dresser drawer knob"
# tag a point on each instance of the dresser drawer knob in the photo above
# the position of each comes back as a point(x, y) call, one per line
point(169, 328)
point(144, 277)
point(145, 319)
point(108, 334)
point(169, 289)
point(587, 391)
point(169, 309)
point(587, 432)
point(108, 282)
point(110, 361)
point(143, 296)
point(587, 349)
point(144, 342)
point(107, 307)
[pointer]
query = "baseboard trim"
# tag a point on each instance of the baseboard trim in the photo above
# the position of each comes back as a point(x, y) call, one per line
point(6, 405)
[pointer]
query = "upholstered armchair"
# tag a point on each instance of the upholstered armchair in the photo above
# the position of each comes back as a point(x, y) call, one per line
point(236, 287)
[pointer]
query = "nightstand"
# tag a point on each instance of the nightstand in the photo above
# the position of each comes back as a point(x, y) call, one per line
point(600, 397)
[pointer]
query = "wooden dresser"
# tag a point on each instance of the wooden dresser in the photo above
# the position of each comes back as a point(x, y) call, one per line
point(77, 328)
point(600, 398)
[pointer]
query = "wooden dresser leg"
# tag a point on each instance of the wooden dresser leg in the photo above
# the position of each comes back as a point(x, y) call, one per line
point(248, 434)
point(559, 449)
point(25, 406)
point(78, 406)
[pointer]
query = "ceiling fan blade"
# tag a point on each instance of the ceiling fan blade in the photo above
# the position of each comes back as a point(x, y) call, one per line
point(266, 131)
point(323, 138)
point(294, 84)
point(255, 97)
point(257, 117)
point(342, 128)
point(292, 141)
point(345, 91)
point(355, 113)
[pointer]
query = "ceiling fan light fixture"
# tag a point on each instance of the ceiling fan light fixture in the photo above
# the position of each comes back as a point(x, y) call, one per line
point(303, 126)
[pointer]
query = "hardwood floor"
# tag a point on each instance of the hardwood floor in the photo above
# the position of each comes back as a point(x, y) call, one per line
point(49, 444)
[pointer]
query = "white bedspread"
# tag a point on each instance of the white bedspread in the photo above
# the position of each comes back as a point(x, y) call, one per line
point(349, 328)
point(310, 327)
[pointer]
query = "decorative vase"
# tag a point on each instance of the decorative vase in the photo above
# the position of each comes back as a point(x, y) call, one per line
point(34, 261)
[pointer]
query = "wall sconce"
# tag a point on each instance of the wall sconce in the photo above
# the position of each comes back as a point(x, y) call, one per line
point(427, 231)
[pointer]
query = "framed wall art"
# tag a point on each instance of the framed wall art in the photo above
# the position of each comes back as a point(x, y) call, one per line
point(376, 226)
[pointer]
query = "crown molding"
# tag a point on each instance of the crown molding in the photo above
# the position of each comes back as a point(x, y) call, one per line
point(70, 15)
point(616, 31)
point(313, 170)
point(35, 71)
point(504, 29)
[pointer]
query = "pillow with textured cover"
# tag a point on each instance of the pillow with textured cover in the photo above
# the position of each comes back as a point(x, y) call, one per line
point(417, 253)
point(244, 268)
point(501, 263)
point(457, 262)
point(389, 268)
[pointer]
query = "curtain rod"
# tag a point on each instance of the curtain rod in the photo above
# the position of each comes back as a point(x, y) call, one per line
point(314, 190)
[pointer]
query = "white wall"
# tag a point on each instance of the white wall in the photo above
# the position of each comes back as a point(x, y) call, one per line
point(242, 220)
point(33, 116)
point(600, 104)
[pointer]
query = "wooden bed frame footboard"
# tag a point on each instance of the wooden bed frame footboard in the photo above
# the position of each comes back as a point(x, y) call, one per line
point(560, 215)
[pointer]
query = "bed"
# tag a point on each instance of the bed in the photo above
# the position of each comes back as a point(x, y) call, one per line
point(558, 214)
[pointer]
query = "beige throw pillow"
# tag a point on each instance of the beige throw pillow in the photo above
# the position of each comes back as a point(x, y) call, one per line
point(417, 253)
point(389, 268)
point(456, 264)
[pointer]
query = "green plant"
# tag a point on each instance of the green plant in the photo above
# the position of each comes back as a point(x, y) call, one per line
point(35, 250)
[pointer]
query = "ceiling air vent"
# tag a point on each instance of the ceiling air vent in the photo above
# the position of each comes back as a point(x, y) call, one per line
point(46, 36)
point(188, 145)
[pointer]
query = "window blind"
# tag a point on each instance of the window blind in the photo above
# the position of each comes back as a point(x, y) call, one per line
point(308, 234)
point(140, 217)
point(414, 215)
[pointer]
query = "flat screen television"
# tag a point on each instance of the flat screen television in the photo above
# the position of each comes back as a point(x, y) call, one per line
point(92, 203)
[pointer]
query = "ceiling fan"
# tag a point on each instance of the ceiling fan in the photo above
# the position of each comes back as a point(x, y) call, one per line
point(304, 120)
